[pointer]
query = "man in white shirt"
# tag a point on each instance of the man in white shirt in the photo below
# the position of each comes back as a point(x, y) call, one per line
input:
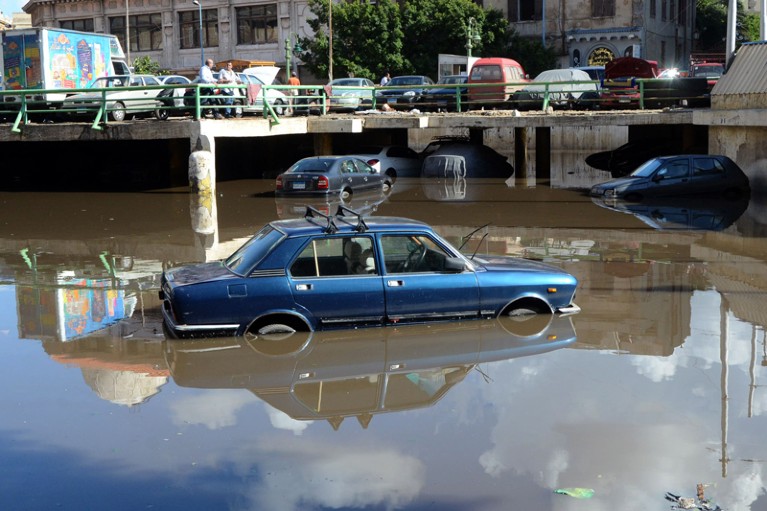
point(227, 75)
point(206, 76)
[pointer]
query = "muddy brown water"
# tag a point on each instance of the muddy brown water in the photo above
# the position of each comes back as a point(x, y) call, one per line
point(656, 386)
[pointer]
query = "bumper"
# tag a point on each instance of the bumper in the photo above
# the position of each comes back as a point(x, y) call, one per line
point(181, 330)
point(569, 310)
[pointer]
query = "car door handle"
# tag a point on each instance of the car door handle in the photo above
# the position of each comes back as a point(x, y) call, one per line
point(395, 283)
point(303, 287)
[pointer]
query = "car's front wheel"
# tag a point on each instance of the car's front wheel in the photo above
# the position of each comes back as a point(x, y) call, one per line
point(117, 112)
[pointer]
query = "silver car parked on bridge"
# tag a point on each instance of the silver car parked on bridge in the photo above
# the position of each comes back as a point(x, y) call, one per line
point(127, 96)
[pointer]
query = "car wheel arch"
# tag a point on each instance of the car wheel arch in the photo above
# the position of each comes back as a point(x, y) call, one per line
point(530, 304)
point(272, 319)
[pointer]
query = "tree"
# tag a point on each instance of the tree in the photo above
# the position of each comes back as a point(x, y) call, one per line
point(531, 53)
point(367, 39)
point(370, 39)
point(146, 66)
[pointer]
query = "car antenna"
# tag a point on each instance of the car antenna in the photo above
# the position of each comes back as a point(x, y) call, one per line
point(361, 226)
point(311, 213)
point(478, 245)
point(468, 236)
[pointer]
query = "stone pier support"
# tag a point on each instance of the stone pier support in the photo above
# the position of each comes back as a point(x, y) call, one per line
point(202, 182)
point(520, 156)
point(543, 155)
point(323, 144)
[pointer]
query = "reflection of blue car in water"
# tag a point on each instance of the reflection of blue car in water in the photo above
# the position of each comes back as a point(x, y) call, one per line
point(359, 373)
point(691, 213)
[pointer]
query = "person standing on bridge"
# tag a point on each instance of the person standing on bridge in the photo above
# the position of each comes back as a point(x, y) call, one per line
point(228, 76)
point(294, 82)
point(206, 76)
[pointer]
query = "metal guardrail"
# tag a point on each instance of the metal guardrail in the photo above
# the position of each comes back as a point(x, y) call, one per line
point(196, 99)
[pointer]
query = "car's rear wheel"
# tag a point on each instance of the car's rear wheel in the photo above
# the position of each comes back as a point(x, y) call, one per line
point(162, 114)
point(346, 194)
point(387, 186)
point(118, 112)
point(279, 106)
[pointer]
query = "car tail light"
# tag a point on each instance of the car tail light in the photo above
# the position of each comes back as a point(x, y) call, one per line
point(278, 182)
point(373, 162)
point(322, 183)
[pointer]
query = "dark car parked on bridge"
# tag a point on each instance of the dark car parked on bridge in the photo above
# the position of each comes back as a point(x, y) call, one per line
point(404, 92)
point(446, 98)
point(324, 272)
point(678, 175)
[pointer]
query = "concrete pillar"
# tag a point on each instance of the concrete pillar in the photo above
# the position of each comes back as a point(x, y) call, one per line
point(323, 144)
point(520, 156)
point(202, 165)
point(543, 155)
point(202, 182)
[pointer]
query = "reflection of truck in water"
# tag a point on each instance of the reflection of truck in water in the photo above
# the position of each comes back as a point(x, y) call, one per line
point(47, 58)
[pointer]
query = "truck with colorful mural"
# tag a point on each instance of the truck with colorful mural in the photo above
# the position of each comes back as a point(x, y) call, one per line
point(53, 58)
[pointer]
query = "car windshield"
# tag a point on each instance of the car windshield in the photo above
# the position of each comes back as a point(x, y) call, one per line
point(647, 168)
point(109, 81)
point(406, 80)
point(312, 165)
point(254, 250)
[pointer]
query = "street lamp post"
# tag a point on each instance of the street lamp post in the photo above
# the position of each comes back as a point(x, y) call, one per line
point(472, 36)
point(289, 52)
point(202, 49)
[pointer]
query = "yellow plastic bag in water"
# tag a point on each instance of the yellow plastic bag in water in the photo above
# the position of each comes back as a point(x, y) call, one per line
point(578, 493)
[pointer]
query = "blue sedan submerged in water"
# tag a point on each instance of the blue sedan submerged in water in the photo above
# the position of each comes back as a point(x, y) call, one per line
point(322, 272)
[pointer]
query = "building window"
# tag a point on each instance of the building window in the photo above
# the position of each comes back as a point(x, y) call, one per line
point(190, 28)
point(653, 8)
point(257, 24)
point(672, 10)
point(525, 10)
point(663, 10)
point(84, 25)
point(145, 31)
point(602, 8)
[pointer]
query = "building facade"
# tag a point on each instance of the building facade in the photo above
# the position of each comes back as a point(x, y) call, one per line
point(584, 32)
point(592, 32)
point(170, 31)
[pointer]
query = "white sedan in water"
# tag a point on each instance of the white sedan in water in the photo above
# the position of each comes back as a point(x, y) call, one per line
point(127, 95)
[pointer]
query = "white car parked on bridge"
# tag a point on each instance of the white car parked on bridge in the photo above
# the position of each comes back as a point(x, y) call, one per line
point(128, 95)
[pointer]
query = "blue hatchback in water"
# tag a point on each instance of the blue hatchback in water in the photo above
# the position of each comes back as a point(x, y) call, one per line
point(321, 272)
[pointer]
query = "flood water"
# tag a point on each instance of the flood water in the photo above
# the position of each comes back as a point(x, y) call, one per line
point(658, 385)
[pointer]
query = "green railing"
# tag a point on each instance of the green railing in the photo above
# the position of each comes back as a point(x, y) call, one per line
point(194, 99)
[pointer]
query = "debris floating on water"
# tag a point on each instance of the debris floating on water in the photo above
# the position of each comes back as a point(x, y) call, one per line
point(578, 493)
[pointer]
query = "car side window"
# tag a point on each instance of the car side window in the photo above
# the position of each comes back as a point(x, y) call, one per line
point(364, 168)
point(334, 257)
point(412, 253)
point(706, 166)
point(347, 167)
point(675, 169)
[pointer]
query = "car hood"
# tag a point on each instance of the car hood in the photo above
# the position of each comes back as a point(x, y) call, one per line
point(185, 275)
point(505, 263)
point(614, 183)
point(266, 74)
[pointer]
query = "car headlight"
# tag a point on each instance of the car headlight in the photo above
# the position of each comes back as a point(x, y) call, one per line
point(611, 192)
point(409, 93)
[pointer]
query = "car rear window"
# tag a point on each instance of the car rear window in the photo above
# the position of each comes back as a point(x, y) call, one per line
point(312, 165)
point(254, 250)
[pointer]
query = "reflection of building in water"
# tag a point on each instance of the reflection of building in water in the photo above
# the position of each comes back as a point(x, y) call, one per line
point(123, 371)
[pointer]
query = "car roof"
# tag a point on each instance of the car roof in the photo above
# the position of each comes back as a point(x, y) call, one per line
point(347, 224)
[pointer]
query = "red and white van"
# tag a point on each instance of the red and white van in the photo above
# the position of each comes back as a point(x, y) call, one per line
point(495, 70)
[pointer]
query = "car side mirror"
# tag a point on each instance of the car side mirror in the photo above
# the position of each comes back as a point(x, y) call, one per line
point(658, 177)
point(454, 264)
